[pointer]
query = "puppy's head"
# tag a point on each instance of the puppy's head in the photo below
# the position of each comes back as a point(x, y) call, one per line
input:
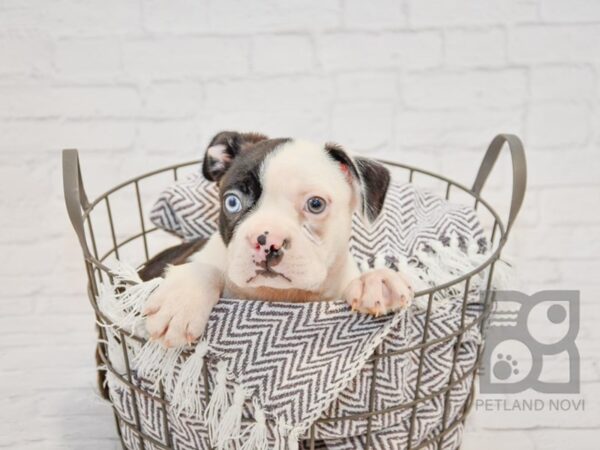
point(287, 206)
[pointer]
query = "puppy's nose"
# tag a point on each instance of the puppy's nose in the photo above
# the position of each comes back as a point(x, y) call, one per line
point(269, 246)
point(270, 241)
point(262, 239)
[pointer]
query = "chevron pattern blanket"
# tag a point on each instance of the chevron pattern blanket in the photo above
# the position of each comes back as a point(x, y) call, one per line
point(264, 373)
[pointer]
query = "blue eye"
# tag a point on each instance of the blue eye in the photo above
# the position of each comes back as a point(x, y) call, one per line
point(232, 203)
point(316, 205)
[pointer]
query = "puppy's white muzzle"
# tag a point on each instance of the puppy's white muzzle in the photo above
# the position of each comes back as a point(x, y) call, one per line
point(273, 252)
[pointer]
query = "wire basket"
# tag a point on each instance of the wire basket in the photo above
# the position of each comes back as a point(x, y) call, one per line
point(101, 240)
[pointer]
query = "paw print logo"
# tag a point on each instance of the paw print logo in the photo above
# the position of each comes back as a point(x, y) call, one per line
point(510, 362)
point(524, 331)
point(505, 367)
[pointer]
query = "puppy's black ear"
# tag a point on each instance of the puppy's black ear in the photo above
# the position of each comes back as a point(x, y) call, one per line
point(375, 180)
point(223, 149)
point(372, 177)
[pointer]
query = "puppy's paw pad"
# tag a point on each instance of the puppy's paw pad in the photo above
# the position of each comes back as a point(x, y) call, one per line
point(379, 292)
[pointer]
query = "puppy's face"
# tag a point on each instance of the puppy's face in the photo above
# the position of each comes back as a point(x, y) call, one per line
point(286, 208)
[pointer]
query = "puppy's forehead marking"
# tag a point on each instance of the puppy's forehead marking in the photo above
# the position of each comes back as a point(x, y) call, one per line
point(216, 151)
point(244, 176)
point(249, 163)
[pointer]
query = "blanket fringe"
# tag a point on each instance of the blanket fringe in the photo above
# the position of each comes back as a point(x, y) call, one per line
point(230, 426)
point(293, 438)
point(186, 394)
point(134, 298)
point(218, 401)
point(435, 263)
point(125, 273)
point(123, 299)
point(255, 436)
point(287, 436)
point(156, 363)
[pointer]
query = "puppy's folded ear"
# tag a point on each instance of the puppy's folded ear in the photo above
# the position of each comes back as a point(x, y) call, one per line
point(375, 180)
point(372, 178)
point(223, 149)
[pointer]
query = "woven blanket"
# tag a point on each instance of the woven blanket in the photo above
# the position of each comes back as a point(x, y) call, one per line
point(265, 372)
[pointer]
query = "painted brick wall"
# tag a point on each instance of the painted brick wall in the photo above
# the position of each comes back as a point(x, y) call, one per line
point(136, 84)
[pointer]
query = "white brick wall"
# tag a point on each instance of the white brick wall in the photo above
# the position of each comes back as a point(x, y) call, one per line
point(135, 84)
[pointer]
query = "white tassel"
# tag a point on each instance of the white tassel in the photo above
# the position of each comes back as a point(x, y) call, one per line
point(435, 274)
point(149, 358)
point(280, 432)
point(454, 241)
point(132, 300)
point(110, 380)
point(156, 363)
point(125, 273)
point(108, 303)
point(455, 261)
point(218, 401)
point(125, 308)
point(110, 307)
point(255, 436)
point(444, 264)
point(230, 426)
point(186, 394)
point(115, 351)
point(293, 437)
point(134, 296)
point(167, 371)
point(411, 272)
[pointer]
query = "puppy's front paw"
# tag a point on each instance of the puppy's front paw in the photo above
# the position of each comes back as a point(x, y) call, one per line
point(177, 312)
point(379, 291)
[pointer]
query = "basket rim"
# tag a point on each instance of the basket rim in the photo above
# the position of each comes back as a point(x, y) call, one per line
point(494, 255)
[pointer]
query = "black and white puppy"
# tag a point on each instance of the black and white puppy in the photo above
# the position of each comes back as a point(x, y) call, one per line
point(284, 228)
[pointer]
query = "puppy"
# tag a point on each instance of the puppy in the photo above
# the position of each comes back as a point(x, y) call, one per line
point(284, 228)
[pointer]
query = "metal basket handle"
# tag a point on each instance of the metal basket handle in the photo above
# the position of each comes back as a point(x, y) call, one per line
point(75, 197)
point(519, 166)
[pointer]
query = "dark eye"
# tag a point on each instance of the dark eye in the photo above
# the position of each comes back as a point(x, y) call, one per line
point(316, 205)
point(232, 203)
